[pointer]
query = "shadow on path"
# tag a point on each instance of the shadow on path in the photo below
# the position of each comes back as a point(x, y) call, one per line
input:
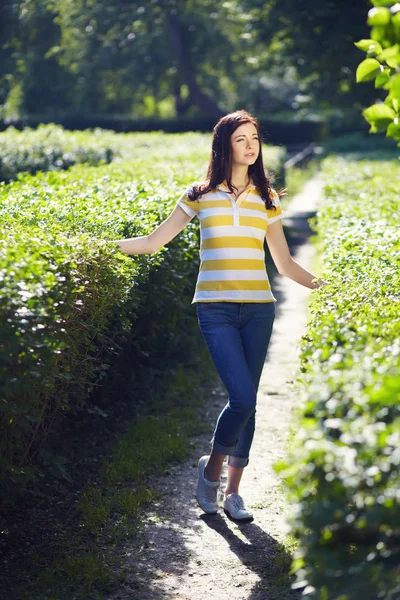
point(262, 554)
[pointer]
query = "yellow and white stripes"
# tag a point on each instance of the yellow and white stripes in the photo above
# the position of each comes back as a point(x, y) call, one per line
point(232, 236)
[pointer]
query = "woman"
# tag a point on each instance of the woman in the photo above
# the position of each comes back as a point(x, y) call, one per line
point(235, 307)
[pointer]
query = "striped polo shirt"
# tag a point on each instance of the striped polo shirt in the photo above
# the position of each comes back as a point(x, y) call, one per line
point(232, 233)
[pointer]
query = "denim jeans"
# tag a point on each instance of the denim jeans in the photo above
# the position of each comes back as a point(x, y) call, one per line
point(237, 335)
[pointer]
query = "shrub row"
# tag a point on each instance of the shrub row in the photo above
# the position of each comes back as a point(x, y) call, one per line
point(50, 147)
point(377, 146)
point(70, 298)
point(277, 129)
point(343, 474)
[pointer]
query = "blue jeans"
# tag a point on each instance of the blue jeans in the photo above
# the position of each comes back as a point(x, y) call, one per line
point(237, 335)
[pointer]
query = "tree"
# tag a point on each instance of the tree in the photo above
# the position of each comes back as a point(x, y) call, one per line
point(160, 49)
point(315, 37)
point(32, 80)
point(125, 56)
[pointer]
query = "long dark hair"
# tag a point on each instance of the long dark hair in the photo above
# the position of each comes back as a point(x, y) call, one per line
point(220, 166)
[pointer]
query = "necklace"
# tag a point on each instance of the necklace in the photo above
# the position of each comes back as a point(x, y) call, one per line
point(241, 190)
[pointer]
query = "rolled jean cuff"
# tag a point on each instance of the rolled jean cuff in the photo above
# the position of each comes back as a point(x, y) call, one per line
point(238, 461)
point(221, 449)
point(233, 461)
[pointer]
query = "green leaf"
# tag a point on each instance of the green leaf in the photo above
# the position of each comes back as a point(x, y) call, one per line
point(367, 69)
point(369, 46)
point(382, 78)
point(395, 86)
point(382, 2)
point(378, 32)
point(391, 56)
point(379, 111)
point(379, 116)
point(393, 131)
point(394, 62)
point(379, 16)
point(392, 103)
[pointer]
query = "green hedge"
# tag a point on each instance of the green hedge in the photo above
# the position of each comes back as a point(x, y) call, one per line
point(343, 474)
point(277, 129)
point(377, 146)
point(50, 147)
point(69, 297)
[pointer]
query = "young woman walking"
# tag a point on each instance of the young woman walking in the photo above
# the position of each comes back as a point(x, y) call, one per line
point(237, 209)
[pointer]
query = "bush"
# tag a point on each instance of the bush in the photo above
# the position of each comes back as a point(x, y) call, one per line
point(343, 474)
point(277, 129)
point(375, 146)
point(49, 147)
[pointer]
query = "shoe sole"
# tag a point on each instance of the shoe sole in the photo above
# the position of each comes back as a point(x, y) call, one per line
point(243, 519)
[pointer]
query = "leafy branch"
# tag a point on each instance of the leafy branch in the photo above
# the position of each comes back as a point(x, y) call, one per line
point(383, 65)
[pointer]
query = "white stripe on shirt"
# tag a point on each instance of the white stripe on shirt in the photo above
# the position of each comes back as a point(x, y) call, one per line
point(232, 275)
point(221, 253)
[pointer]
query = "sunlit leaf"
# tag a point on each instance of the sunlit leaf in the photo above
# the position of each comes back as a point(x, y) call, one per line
point(370, 46)
point(379, 16)
point(368, 69)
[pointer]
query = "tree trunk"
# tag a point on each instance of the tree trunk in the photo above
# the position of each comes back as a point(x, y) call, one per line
point(196, 96)
point(181, 105)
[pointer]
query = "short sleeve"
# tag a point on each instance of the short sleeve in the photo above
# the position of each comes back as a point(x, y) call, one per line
point(191, 207)
point(275, 215)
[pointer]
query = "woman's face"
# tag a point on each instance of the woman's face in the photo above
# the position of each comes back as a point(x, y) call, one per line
point(245, 144)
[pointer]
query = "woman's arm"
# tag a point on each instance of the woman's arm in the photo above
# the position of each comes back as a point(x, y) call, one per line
point(164, 233)
point(285, 264)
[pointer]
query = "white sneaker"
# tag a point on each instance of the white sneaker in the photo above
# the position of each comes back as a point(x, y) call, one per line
point(234, 506)
point(207, 491)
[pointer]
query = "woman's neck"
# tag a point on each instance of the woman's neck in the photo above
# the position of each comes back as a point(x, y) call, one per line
point(240, 176)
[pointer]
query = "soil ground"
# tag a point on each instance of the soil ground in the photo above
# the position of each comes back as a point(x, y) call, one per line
point(187, 555)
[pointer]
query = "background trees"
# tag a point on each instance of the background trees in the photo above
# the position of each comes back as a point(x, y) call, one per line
point(180, 57)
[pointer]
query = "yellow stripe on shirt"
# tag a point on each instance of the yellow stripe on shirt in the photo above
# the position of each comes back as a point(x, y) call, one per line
point(233, 285)
point(232, 242)
point(235, 264)
point(254, 222)
point(217, 221)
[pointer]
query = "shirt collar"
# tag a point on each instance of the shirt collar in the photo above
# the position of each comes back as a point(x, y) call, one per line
point(224, 187)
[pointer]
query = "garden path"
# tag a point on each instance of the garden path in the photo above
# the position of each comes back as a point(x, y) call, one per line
point(188, 555)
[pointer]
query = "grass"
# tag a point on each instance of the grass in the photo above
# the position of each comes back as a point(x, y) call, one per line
point(85, 559)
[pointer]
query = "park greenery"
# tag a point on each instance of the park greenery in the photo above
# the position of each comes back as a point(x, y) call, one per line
point(50, 148)
point(155, 59)
point(343, 473)
point(74, 308)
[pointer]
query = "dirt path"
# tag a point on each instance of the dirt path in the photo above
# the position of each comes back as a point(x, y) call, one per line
point(192, 556)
